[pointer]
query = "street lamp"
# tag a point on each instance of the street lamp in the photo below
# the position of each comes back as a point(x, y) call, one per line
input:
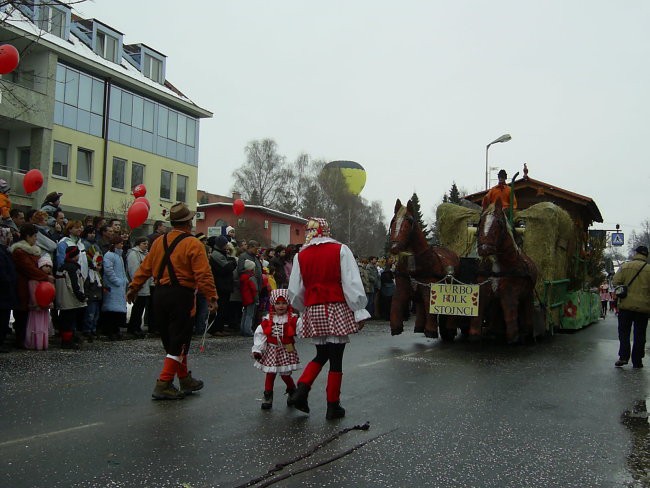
point(503, 138)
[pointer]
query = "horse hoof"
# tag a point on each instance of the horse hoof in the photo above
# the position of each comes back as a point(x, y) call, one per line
point(513, 342)
point(473, 338)
point(418, 330)
point(395, 332)
point(431, 334)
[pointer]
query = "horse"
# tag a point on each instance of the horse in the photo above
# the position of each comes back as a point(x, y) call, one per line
point(509, 275)
point(421, 264)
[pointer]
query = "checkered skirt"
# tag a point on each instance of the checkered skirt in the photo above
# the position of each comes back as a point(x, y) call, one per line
point(276, 359)
point(328, 319)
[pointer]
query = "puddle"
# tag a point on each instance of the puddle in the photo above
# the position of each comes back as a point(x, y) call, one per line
point(638, 460)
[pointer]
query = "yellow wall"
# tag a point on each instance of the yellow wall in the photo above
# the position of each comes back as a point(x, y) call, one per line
point(87, 197)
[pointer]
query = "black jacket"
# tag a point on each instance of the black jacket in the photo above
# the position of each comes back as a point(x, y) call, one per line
point(222, 268)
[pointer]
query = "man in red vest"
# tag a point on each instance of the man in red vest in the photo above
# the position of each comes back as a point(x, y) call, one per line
point(326, 287)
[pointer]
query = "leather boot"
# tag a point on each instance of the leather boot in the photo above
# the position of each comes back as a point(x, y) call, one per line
point(289, 393)
point(268, 400)
point(165, 390)
point(189, 384)
point(299, 398)
point(334, 411)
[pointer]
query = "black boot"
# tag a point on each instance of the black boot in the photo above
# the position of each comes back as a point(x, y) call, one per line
point(289, 393)
point(268, 400)
point(334, 411)
point(299, 398)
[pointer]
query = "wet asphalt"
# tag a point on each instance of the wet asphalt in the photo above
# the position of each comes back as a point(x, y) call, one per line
point(419, 413)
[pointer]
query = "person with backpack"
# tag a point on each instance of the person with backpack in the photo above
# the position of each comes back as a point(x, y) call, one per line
point(134, 258)
point(179, 265)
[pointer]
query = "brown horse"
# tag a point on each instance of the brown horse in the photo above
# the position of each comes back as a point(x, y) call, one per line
point(419, 265)
point(508, 275)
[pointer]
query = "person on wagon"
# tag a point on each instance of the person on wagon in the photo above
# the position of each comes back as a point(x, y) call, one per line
point(500, 192)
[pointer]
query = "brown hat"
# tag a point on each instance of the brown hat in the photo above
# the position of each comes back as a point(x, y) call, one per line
point(53, 196)
point(180, 213)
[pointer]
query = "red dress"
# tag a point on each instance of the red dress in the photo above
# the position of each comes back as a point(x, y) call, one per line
point(275, 338)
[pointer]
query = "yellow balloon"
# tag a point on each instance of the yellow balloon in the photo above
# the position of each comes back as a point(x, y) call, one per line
point(354, 174)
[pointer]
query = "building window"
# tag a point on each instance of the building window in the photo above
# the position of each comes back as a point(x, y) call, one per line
point(137, 174)
point(106, 46)
point(165, 185)
point(61, 159)
point(117, 177)
point(52, 20)
point(153, 68)
point(24, 158)
point(181, 188)
point(84, 165)
point(24, 78)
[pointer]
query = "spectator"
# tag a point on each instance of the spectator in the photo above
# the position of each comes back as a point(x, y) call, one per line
point(5, 202)
point(222, 265)
point(72, 237)
point(159, 229)
point(45, 238)
point(134, 259)
point(94, 290)
point(98, 222)
point(25, 254)
point(375, 284)
point(278, 262)
point(17, 217)
point(201, 316)
point(114, 304)
point(105, 238)
point(57, 227)
point(230, 234)
point(634, 308)
point(37, 335)
point(249, 297)
point(70, 298)
point(52, 203)
point(387, 279)
point(8, 279)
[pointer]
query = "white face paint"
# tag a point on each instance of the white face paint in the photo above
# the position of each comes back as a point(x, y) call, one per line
point(489, 220)
point(398, 221)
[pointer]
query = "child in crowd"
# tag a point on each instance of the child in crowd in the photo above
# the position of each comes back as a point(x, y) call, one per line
point(5, 202)
point(93, 289)
point(37, 335)
point(273, 345)
point(248, 289)
point(70, 298)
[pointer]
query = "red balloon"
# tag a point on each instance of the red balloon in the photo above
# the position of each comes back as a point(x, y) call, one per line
point(137, 214)
point(32, 181)
point(143, 200)
point(238, 206)
point(139, 191)
point(44, 293)
point(9, 59)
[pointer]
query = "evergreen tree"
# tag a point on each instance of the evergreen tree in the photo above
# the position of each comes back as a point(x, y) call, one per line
point(415, 201)
point(454, 194)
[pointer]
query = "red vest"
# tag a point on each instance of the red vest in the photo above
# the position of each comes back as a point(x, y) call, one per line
point(320, 267)
point(288, 330)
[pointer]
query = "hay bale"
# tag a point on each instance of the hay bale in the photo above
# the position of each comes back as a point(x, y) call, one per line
point(454, 228)
point(549, 240)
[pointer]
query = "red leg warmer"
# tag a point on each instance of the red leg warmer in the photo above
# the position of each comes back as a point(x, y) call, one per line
point(310, 373)
point(182, 367)
point(288, 380)
point(170, 368)
point(268, 382)
point(333, 389)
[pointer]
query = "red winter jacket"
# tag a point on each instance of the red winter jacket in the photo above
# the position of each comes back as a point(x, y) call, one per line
point(247, 288)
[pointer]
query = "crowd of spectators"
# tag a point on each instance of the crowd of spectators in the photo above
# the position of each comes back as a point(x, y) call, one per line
point(91, 262)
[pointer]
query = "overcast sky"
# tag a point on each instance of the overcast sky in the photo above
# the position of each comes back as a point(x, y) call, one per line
point(415, 90)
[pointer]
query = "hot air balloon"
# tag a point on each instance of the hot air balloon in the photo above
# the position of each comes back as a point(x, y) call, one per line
point(353, 173)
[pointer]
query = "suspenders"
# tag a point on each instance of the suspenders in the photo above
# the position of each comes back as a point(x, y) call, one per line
point(167, 262)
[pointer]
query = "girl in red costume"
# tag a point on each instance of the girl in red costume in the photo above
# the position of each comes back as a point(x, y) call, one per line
point(273, 345)
point(326, 287)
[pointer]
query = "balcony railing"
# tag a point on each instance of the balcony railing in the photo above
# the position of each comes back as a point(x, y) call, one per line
point(15, 178)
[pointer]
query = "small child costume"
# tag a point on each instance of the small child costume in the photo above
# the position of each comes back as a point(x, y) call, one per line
point(5, 202)
point(274, 347)
point(38, 320)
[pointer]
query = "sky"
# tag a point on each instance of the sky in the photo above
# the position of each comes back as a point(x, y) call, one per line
point(414, 90)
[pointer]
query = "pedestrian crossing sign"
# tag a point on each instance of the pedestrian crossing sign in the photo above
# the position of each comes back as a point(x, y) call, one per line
point(617, 239)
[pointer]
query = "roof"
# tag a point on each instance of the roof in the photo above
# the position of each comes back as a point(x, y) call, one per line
point(548, 191)
point(76, 51)
point(266, 210)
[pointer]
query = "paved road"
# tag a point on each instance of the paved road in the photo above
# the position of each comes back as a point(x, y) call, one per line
point(439, 415)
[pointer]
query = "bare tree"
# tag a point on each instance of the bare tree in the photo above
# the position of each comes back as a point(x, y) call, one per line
point(641, 238)
point(263, 173)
